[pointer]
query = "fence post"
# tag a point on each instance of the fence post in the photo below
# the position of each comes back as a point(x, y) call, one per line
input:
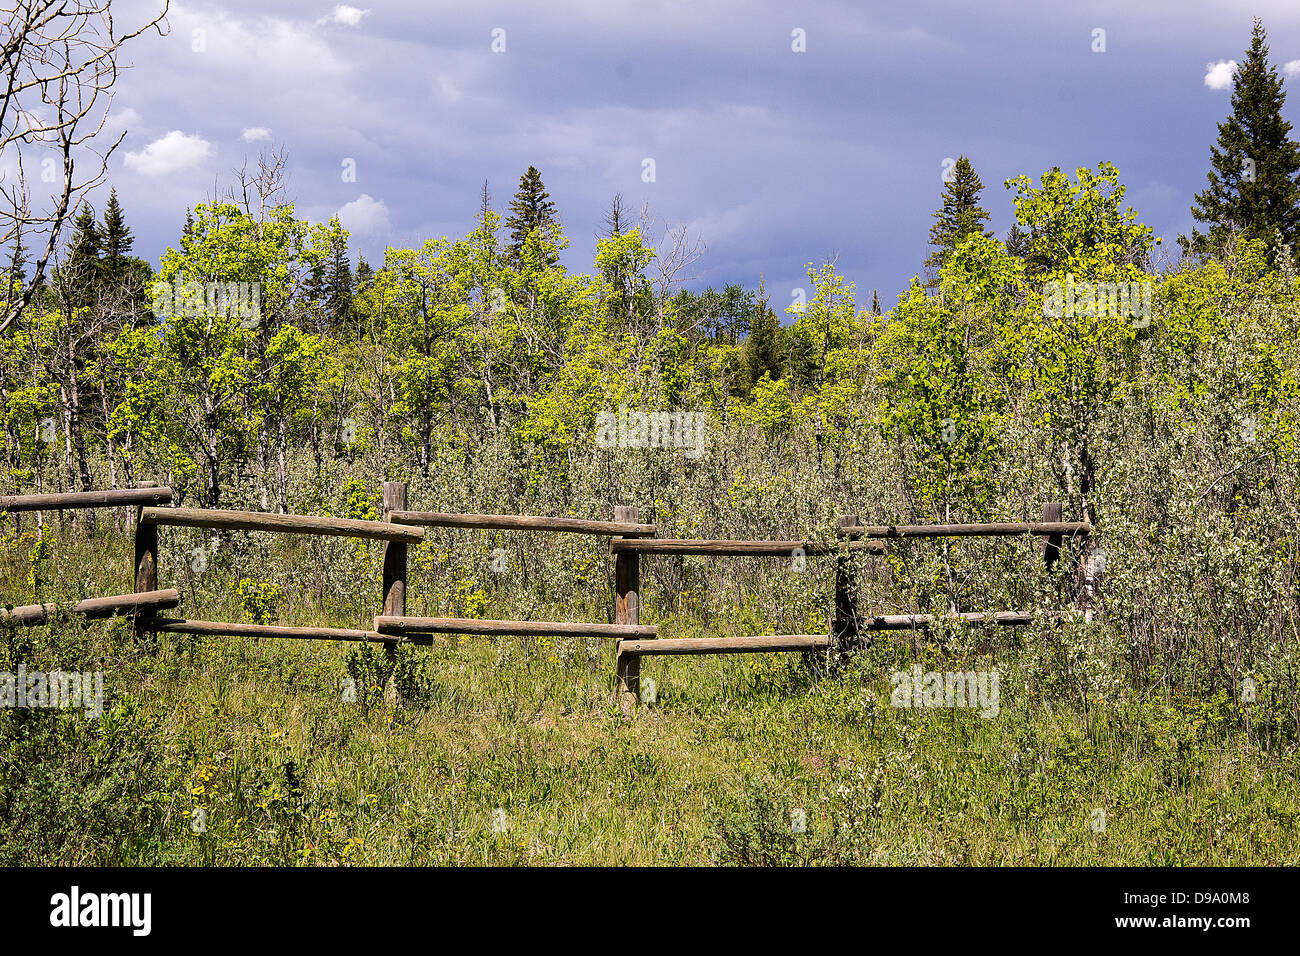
point(146, 557)
point(627, 610)
point(844, 629)
point(394, 587)
point(1051, 542)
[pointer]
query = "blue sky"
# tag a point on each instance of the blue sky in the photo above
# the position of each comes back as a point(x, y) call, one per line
point(772, 157)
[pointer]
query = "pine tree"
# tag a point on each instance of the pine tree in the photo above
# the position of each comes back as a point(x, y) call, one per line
point(1017, 241)
point(1253, 183)
point(959, 216)
point(875, 302)
point(117, 238)
point(16, 265)
point(364, 275)
point(338, 283)
point(764, 350)
point(85, 253)
point(530, 210)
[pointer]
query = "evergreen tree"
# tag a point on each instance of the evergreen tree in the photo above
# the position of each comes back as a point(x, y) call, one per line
point(530, 210)
point(364, 276)
point(116, 235)
point(875, 302)
point(16, 266)
point(1017, 241)
point(960, 215)
point(338, 283)
point(764, 349)
point(1253, 183)
point(121, 273)
point(85, 255)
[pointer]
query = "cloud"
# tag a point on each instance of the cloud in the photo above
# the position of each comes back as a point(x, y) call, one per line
point(345, 16)
point(1218, 76)
point(175, 151)
point(253, 133)
point(122, 119)
point(1292, 68)
point(365, 215)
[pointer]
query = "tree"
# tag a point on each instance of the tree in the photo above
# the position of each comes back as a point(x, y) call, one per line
point(85, 258)
point(117, 237)
point(875, 302)
point(338, 282)
point(614, 218)
point(959, 216)
point(1253, 186)
point(531, 210)
point(1017, 241)
point(123, 278)
point(58, 64)
point(764, 349)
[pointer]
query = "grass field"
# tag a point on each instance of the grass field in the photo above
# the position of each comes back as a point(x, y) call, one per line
point(237, 751)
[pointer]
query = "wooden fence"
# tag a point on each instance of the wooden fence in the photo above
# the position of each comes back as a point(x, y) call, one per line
point(629, 540)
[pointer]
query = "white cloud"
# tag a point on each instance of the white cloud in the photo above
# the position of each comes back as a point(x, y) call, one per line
point(1218, 76)
point(173, 152)
point(345, 16)
point(365, 215)
point(122, 119)
point(1292, 68)
point(253, 133)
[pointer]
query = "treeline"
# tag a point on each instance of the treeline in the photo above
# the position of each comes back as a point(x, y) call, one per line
point(120, 372)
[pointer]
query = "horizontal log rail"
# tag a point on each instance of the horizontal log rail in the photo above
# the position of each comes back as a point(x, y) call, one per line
point(992, 529)
point(224, 629)
point(145, 602)
point(286, 524)
point(388, 624)
point(437, 519)
point(911, 622)
point(738, 549)
point(114, 498)
point(725, 645)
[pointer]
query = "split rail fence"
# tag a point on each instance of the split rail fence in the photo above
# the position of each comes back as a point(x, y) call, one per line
point(629, 540)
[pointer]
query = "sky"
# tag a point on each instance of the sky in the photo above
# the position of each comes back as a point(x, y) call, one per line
point(779, 134)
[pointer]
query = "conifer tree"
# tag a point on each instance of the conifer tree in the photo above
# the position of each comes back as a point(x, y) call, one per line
point(1017, 241)
point(117, 238)
point(960, 215)
point(85, 254)
point(338, 283)
point(875, 302)
point(1253, 180)
point(530, 210)
point(764, 350)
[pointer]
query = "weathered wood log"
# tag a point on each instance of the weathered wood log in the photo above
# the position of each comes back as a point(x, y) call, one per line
point(844, 624)
point(123, 605)
point(1051, 542)
point(394, 573)
point(288, 524)
point(114, 498)
point(436, 519)
point(738, 549)
point(627, 612)
point(460, 625)
point(724, 645)
point(992, 529)
point(910, 622)
point(146, 559)
point(224, 629)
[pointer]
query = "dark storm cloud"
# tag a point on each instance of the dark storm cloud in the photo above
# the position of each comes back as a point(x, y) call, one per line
point(774, 158)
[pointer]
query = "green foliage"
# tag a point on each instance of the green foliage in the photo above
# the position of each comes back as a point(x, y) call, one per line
point(1253, 190)
point(259, 600)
